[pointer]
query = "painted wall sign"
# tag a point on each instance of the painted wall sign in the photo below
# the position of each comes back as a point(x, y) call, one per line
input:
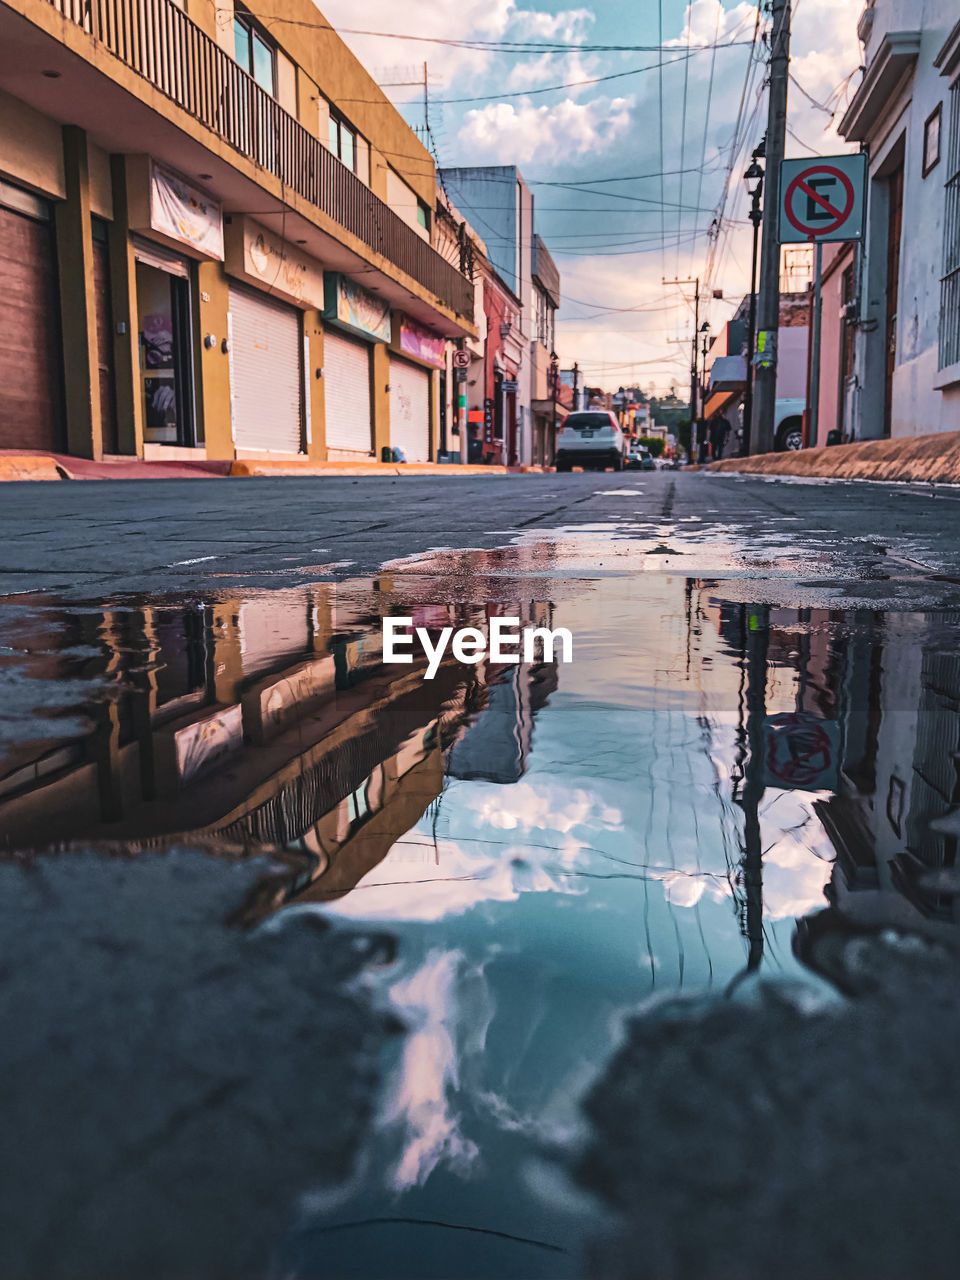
point(262, 258)
point(184, 213)
point(422, 343)
point(356, 308)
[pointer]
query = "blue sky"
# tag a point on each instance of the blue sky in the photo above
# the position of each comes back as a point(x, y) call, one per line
point(616, 242)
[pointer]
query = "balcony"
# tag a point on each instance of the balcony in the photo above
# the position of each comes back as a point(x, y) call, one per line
point(158, 41)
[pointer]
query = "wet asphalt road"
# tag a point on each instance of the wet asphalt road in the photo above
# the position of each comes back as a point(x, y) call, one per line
point(92, 538)
point(641, 967)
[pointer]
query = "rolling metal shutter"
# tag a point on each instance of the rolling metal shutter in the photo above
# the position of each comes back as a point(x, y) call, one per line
point(266, 386)
point(410, 410)
point(346, 380)
point(31, 409)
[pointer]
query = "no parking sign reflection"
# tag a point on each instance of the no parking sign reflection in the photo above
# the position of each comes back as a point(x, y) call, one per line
point(822, 200)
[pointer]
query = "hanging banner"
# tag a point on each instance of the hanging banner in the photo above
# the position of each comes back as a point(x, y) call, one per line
point(356, 308)
point(424, 344)
point(182, 212)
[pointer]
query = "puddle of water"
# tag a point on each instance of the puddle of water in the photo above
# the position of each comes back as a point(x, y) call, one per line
point(709, 787)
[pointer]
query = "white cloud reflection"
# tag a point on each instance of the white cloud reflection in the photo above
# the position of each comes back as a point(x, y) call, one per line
point(420, 1102)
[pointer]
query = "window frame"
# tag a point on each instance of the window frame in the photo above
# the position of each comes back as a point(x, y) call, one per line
point(340, 123)
point(928, 165)
point(246, 20)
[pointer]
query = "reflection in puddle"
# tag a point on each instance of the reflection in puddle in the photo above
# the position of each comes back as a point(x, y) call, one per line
point(549, 847)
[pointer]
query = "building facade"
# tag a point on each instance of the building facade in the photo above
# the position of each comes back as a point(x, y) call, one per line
point(217, 239)
point(906, 117)
point(544, 368)
point(525, 280)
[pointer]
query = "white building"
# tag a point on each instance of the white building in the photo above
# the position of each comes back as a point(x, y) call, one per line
point(906, 117)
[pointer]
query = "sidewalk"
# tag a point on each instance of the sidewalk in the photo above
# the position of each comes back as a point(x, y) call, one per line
point(26, 465)
point(931, 459)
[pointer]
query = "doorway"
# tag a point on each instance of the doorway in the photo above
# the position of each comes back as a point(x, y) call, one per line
point(166, 355)
point(894, 227)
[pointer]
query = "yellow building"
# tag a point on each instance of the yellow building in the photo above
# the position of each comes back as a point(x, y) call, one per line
point(215, 239)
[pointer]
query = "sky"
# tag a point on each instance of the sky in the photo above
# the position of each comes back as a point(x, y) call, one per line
point(616, 241)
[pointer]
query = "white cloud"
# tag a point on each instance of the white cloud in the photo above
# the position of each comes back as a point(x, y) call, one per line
point(526, 133)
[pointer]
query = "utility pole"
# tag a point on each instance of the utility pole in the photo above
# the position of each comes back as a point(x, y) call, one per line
point(576, 385)
point(768, 300)
point(813, 393)
point(693, 362)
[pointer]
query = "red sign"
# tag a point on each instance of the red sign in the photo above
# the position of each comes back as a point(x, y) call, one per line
point(829, 217)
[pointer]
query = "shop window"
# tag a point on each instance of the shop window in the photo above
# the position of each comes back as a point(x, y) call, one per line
point(254, 52)
point(343, 141)
point(166, 367)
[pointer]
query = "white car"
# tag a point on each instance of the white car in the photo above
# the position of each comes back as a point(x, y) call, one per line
point(592, 439)
point(788, 424)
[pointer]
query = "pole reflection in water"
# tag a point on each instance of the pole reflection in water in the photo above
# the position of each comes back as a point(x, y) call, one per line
point(756, 632)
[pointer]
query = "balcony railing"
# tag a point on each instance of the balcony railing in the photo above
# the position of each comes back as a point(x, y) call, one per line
point(158, 41)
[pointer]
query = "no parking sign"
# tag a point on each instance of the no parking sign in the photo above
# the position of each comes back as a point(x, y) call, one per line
point(822, 199)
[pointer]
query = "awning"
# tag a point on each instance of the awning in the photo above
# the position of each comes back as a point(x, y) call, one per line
point(719, 401)
point(728, 373)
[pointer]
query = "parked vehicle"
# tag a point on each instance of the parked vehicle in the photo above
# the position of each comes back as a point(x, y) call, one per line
point(639, 458)
point(788, 424)
point(592, 439)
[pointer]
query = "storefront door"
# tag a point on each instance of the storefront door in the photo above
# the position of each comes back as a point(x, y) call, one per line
point(266, 376)
point(31, 373)
point(166, 347)
point(410, 410)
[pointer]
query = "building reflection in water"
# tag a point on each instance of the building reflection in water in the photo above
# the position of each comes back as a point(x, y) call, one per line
point(869, 722)
point(267, 722)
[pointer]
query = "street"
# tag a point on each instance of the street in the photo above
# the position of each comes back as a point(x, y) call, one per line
point(638, 964)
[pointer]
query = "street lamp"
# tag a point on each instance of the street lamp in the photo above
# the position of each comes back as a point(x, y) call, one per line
point(754, 180)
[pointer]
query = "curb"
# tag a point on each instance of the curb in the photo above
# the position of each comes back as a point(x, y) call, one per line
point(928, 459)
point(31, 467)
point(254, 467)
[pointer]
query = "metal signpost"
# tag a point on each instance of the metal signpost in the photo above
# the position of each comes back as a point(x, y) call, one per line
point(822, 201)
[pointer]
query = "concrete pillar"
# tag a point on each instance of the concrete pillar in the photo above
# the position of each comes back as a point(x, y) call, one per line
point(313, 355)
point(380, 397)
point(227, 666)
point(126, 326)
point(78, 314)
point(211, 305)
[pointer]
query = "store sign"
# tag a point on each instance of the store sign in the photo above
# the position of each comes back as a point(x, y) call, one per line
point(488, 421)
point(184, 213)
point(259, 256)
point(510, 385)
point(422, 343)
point(270, 262)
point(356, 308)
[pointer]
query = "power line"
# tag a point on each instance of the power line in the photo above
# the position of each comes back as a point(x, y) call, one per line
point(529, 93)
point(485, 46)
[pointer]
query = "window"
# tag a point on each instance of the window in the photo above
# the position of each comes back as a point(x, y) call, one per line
point(254, 52)
point(545, 320)
point(931, 140)
point(423, 215)
point(343, 141)
point(950, 280)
